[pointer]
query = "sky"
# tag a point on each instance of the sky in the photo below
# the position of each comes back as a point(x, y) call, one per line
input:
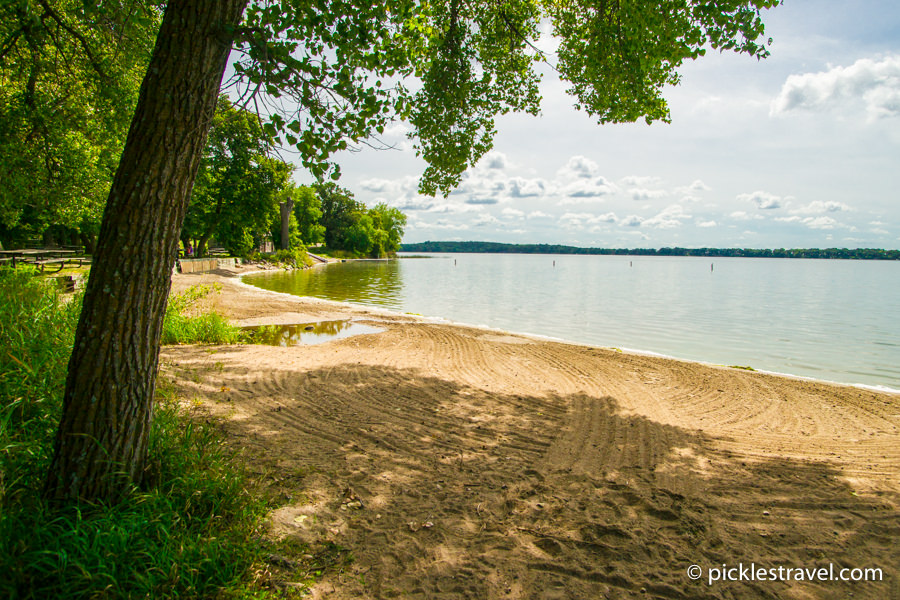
point(801, 149)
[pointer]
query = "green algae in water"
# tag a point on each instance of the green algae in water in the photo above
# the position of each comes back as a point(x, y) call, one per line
point(296, 334)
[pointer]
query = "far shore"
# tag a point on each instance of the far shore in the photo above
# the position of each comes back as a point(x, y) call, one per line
point(458, 462)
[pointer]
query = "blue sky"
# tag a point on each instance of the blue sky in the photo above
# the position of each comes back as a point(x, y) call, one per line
point(799, 150)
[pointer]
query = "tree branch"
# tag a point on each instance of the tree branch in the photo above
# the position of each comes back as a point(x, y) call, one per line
point(84, 43)
point(11, 43)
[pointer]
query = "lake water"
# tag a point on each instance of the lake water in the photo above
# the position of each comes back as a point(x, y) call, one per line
point(836, 320)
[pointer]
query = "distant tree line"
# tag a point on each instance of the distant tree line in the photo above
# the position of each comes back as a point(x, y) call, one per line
point(500, 248)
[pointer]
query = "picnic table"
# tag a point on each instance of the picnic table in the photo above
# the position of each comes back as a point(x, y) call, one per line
point(41, 257)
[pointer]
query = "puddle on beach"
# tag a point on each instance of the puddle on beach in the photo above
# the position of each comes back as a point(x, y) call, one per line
point(296, 334)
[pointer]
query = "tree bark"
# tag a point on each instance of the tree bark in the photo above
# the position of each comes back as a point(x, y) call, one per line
point(101, 445)
point(200, 251)
point(286, 207)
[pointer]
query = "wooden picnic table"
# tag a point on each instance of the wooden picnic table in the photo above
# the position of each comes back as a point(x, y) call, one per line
point(40, 257)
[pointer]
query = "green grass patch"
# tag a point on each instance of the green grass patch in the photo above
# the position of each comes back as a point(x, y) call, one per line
point(742, 367)
point(295, 258)
point(183, 325)
point(194, 530)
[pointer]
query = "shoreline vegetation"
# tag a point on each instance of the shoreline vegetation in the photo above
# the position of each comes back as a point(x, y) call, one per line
point(503, 248)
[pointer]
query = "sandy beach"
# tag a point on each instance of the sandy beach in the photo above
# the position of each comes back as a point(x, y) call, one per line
point(457, 462)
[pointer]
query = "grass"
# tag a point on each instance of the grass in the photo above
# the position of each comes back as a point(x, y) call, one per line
point(193, 530)
point(182, 327)
point(296, 258)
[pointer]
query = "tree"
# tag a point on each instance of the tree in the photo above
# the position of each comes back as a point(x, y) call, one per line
point(308, 211)
point(69, 79)
point(338, 209)
point(360, 237)
point(286, 211)
point(237, 186)
point(339, 63)
point(300, 211)
point(101, 445)
point(389, 221)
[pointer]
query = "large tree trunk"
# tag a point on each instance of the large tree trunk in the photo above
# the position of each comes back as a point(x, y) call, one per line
point(286, 207)
point(101, 445)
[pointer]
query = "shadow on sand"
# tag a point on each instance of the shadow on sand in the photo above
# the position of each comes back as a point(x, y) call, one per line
point(446, 491)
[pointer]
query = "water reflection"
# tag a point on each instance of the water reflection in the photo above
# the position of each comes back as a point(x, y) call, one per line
point(370, 282)
point(296, 334)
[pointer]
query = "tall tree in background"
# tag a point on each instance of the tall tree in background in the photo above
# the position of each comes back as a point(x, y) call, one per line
point(308, 211)
point(300, 211)
point(238, 184)
point(337, 62)
point(339, 208)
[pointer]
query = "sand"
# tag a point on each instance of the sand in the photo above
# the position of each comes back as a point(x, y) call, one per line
point(457, 462)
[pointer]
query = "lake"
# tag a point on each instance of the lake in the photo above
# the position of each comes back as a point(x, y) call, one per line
point(837, 320)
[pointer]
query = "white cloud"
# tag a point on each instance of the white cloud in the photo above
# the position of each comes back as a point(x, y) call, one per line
point(485, 219)
point(604, 218)
point(583, 191)
point(632, 221)
point(537, 214)
point(818, 207)
point(821, 223)
point(645, 194)
point(872, 84)
point(495, 160)
point(695, 187)
point(402, 193)
point(442, 224)
point(580, 220)
point(379, 186)
point(707, 224)
point(513, 213)
point(574, 220)
point(763, 200)
point(526, 188)
point(638, 181)
point(452, 208)
point(812, 222)
point(668, 218)
point(578, 167)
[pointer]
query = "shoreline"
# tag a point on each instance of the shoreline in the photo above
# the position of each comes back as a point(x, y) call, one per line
point(538, 336)
point(460, 462)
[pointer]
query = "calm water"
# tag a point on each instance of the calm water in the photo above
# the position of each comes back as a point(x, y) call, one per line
point(828, 319)
point(307, 334)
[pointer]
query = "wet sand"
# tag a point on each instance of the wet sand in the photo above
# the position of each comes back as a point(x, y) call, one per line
point(457, 462)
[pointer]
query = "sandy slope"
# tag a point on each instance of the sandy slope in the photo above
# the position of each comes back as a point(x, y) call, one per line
point(455, 462)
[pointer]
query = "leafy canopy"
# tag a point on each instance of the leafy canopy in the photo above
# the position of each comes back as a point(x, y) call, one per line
point(326, 74)
point(69, 77)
